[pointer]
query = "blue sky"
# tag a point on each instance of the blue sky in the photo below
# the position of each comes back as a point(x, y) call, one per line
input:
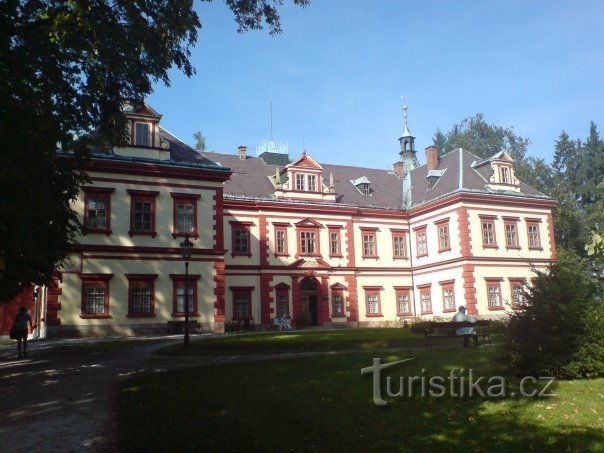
point(336, 74)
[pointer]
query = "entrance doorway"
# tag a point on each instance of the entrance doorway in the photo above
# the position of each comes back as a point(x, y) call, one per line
point(309, 298)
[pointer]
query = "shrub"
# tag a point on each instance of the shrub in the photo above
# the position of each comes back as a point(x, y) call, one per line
point(559, 331)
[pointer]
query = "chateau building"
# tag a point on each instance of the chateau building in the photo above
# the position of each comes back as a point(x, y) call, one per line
point(321, 243)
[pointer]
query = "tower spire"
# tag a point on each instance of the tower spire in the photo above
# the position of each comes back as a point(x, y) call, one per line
point(407, 143)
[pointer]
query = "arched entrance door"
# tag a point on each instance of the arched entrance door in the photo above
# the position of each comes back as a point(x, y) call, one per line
point(309, 295)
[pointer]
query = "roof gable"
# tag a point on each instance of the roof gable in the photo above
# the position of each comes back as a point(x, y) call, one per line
point(305, 161)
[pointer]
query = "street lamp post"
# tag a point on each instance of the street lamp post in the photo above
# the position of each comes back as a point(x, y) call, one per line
point(186, 248)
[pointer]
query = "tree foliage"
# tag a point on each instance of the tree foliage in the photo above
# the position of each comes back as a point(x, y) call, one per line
point(559, 331)
point(66, 68)
point(200, 141)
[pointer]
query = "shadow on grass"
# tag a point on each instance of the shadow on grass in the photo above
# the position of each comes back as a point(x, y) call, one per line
point(324, 404)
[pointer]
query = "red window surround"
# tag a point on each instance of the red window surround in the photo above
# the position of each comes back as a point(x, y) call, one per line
point(373, 304)
point(494, 296)
point(308, 234)
point(510, 226)
point(178, 294)
point(425, 299)
point(335, 241)
point(241, 239)
point(142, 212)
point(369, 242)
point(399, 244)
point(448, 294)
point(444, 235)
point(242, 302)
point(338, 302)
point(421, 241)
point(403, 301)
point(517, 291)
point(141, 295)
point(281, 248)
point(533, 234)
point(282, 300)
point(95, 296)
point(97, 210)
point(184, 214)
point(487, 229)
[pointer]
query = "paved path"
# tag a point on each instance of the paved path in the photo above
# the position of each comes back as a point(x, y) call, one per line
point(62, 398)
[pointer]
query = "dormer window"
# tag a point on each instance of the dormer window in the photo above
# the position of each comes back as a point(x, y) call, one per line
point(142, 134)
point(312, 183)
point(362, 185)
point(505, 175)
point(306, 182)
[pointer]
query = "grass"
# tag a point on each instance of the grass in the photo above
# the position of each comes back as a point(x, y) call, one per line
point(323, 403)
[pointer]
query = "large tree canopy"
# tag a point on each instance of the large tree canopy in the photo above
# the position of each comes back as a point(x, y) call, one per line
point(66, 68)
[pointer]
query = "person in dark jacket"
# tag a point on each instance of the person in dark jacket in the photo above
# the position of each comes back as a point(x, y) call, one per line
point(21, 320)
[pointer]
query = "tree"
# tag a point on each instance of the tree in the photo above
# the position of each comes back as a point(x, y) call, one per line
point(477, 136)
point(200, 141)
point(66, 68)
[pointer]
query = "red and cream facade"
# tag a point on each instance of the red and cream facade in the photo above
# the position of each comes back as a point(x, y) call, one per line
point(319, 243)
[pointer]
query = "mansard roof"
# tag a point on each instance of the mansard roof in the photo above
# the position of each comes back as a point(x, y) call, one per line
point(462, 172)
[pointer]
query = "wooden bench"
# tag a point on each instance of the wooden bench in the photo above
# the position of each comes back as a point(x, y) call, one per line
point(436, 330)
point(177, 327)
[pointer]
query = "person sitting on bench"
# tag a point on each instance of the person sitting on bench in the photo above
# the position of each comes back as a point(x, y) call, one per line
point(465, 331)
point(282, 323)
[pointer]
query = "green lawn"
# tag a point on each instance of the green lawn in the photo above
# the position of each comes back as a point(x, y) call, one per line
point(323, 403)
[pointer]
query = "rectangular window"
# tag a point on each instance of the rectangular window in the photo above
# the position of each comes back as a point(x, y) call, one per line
point(421, 242)
point(488, 233)
point(511, 235)
point(533, 236)
point(337, 304)
point(308, 243)
point(97, 211)
point(281, 240)
point(373, 303)
point(282, 304)
point(425, 300)
point(448, 290)
point(369, 244)
point(443, 237)
point(334, 243)
point(178, 286)
point(517, 291)
point(312, 183)
point(185, 214)
point(240, 239)
point(141, 295)
point(142, 134)
point(403, 302)
point(300, 181)
point(494, 295)
point(399, 245)
point(142, 212)
point(95, 295)
point(505, 175)
point(242, 303)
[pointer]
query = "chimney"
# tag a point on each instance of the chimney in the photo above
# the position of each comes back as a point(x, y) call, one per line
point(399, 169)
point(242, 151)
point(432, 157)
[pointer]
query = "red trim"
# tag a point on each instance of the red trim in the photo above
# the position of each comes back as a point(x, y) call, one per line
point(282, 290)
point(181, 199)
point(218, 220)
point(350, 249)
point(488, 220)
point(219, 291)
point(425, 289)
point(244, 239)
point(263, 241)
point(373, 291)
point(283, 229)
point(448, 285)
point(98, 280)
point(353, 298)
point(400, 234)
point(464, 232)
point(469, 289)
point(142, 196)
point(552, 238)
point(178, 280)
point(266, 298)
point(419, 231)
point(533, 223)
point(402, 291)
point(439, 226)
point(245, 291)
point(331, 231)
point(141, 281)
point(317, 242)
point(98, 193)
point(369, 233)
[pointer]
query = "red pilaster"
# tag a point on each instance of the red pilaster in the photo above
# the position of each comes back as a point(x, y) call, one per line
point(353, 298)
point(263, 241)
point(465, 240)
point(296, 308)
point(324, 300)
point(552, 240)
point(266, 298)
point(53, 305)
point(219, 291)
point(218, 217)
point(350, 243)
point(469, 289)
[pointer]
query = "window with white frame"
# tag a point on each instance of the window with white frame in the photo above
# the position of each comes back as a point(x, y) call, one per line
point(142, 134)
